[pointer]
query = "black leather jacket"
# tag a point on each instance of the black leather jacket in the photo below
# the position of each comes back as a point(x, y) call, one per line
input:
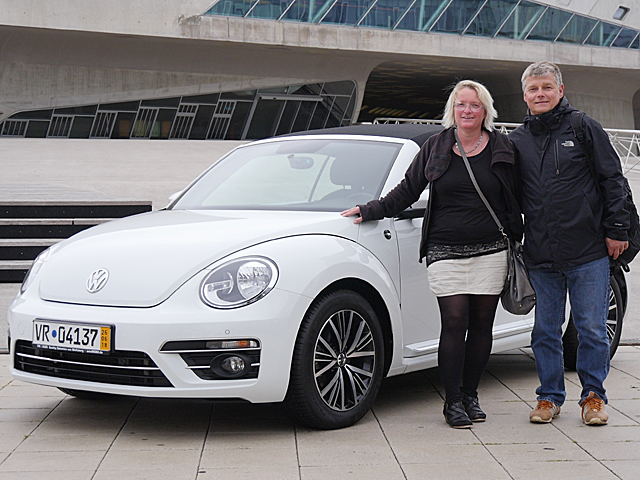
point(566, 220)
point(430, 163)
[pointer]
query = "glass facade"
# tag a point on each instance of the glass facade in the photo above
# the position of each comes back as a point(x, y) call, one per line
point(239, 115)
point(511, 19)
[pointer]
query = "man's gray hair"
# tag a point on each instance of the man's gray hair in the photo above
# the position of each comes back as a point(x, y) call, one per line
point(541, 69)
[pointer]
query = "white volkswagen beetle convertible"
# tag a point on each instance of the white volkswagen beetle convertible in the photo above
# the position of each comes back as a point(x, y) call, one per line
point(250, 285)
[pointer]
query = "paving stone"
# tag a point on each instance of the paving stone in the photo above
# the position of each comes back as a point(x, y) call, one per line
point(352, 472)
point(508, 454)
point(124, 460)
point(489, 469)
point(561, 470)
point(159, 441)
point(23, 414)
point(624, 469)
point(50, 462)
point(50, 475)
point(135, 473)
point(65, 443)
point(248, 473)
point(622, 450)
point(250, 456)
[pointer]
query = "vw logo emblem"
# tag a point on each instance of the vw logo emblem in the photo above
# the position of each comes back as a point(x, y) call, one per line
point(97, 280)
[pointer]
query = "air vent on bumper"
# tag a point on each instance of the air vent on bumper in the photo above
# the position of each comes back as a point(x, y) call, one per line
point(218, 359)
point(117, 368)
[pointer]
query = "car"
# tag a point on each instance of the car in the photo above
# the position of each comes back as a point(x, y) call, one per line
point(250, 285)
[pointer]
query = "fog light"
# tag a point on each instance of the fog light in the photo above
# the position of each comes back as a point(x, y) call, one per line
point(234, 365)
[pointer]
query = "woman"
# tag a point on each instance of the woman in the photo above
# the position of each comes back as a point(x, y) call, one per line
point(466, 253)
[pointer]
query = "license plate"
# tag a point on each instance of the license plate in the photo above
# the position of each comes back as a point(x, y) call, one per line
point(73, 337)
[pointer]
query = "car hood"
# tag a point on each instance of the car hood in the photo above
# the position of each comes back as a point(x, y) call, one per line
point(149, 256)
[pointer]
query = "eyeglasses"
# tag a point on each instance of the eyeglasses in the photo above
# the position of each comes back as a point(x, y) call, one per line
point(474, 107)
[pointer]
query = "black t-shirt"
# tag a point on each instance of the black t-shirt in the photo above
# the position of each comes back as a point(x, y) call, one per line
point(458, 215)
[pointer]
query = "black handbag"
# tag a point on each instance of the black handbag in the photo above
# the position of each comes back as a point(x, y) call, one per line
point(518, 296)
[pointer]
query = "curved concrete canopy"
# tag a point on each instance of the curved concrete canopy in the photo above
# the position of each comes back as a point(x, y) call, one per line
point(66, 53)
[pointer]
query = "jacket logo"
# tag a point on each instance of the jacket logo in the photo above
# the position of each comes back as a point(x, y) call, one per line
point(568, 143)
point(97, 280)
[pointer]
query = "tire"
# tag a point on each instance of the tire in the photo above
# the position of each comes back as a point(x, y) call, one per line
point(338, 362)
point(614, 328)
point(85, 395)
point(615, 317)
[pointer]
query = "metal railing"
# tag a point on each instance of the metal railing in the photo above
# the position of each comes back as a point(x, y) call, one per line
point(626, 142)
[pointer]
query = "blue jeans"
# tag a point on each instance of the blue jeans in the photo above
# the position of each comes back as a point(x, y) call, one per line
point(588, 286)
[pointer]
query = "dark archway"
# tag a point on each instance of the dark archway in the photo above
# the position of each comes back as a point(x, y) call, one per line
point(419, 88)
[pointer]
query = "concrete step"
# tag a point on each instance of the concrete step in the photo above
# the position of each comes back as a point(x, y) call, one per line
point(46, 227)
point(14, 271)
point(88, 209)
point(34, 216)
point(24, 248)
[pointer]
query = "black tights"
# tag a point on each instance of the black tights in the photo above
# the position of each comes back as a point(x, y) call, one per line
point(465, 341)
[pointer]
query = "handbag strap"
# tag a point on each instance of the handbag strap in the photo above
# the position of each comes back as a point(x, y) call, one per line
point(475, 183)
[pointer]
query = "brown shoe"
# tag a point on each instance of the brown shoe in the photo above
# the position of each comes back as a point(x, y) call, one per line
point(593, 410)
point(544, 412)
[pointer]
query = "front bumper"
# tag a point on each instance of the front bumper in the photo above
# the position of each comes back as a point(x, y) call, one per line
point(273, 321)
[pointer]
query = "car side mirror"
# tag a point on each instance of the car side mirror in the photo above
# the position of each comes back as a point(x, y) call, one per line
point(172, 198)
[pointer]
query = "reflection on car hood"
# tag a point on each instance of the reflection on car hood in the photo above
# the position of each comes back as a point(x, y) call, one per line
point(149, 256)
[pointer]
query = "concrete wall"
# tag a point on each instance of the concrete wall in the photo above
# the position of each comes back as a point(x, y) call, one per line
point(121, 169)
point(62, 53)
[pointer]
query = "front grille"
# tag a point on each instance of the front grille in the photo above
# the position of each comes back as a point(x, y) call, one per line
point(118, 368)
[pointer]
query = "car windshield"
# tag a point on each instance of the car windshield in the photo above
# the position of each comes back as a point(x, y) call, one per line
point(295, 174)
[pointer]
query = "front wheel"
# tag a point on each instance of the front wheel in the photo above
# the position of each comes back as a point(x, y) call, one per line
point(570, 339)
point(338, 362)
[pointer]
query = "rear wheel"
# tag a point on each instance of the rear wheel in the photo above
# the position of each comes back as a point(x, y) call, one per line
point(570, 339)
point(338, 362)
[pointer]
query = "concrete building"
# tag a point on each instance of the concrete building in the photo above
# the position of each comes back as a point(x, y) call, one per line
point(242, 69)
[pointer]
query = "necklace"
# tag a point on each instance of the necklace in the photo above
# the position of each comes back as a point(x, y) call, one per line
point(477, 145)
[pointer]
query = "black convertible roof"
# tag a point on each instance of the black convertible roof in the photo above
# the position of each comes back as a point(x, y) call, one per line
point(410, 131)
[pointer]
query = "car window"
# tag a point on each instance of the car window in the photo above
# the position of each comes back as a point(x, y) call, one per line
point(295, 174)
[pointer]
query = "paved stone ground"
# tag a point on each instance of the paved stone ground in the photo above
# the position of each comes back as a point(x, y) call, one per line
point(45, 434)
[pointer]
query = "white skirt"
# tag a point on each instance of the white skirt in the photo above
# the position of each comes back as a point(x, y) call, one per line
point(483, 275)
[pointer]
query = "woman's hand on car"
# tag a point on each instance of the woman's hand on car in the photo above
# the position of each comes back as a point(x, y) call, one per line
point(351, 212)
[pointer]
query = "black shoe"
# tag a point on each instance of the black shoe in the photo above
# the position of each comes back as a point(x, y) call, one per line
point(472, 407)
point(455, 415)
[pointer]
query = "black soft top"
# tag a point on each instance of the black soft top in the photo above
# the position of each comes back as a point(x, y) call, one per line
point(419, 133)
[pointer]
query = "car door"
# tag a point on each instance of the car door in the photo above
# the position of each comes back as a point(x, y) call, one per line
point(420, 313)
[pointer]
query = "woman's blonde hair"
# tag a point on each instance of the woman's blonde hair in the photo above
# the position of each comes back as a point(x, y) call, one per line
point(448, 118)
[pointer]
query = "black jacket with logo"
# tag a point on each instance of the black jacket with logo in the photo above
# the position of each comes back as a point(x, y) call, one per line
point(429, 165)
point(566, 220)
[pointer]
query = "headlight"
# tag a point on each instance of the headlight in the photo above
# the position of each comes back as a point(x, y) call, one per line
point(35, 268)
point(239, 282)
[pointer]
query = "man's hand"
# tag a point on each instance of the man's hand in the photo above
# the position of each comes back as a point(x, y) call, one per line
point(616, 247)
point(351, 212)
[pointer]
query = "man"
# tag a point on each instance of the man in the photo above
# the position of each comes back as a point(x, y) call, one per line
point(571, 227)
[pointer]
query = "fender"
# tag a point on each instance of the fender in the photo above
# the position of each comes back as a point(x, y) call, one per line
point(307, 264)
